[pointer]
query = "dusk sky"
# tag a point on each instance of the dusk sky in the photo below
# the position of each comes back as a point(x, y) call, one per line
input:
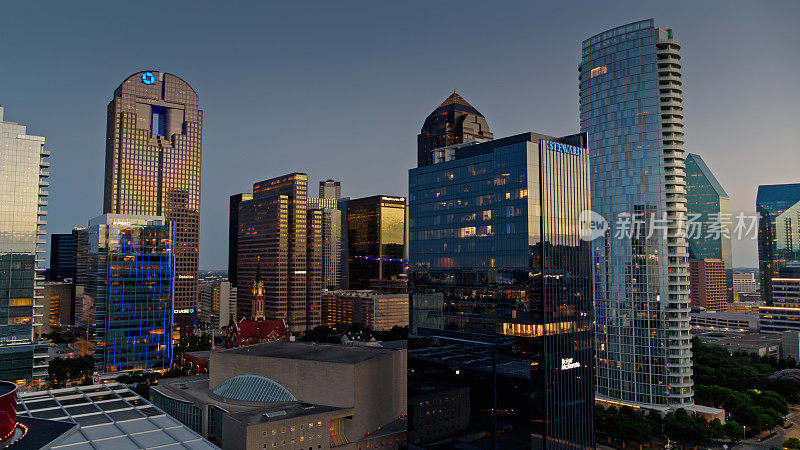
point(340, 89)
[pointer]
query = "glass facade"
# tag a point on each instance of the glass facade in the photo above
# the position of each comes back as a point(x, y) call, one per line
point(708, 204)
point(23, 199)
point(154, 141)
point(376, 236)
point(127, 305)
point(631, 108)
point(778, 207)
point(501, 304)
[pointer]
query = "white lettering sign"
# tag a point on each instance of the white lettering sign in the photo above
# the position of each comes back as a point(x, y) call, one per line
point(569, 363)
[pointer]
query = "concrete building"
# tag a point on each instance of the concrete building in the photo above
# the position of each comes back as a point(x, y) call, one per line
point(126, 312)
point(707, 284)
point(280, 235)
point(374, 310)
point(636, 148)
point(295, 395)
point(761, 344)
point(23, 203)
point(738, 322)
point(744, 283)
point(154, 143)
point(749, 307)
point(218, 303)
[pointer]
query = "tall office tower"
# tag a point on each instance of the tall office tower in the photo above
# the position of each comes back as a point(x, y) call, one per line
point(330, 189)
point(153, 152)
point(784, 312)
point(454, 122)
point(708, 209)
point(62, 256)
point(778, 206)
point(376, 239)
point(23, 197)
point(233, 234)
point(501, 295)
point(707, 284)
point(127, 303)
point(281, 236)
point(630, 97)
point(217, 304)
point(331, 240)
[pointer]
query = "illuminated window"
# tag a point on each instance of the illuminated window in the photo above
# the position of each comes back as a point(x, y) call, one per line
point(598, 71)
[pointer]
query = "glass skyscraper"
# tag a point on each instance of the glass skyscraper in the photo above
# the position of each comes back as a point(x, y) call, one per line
point(23, 199)
point(778, 206)
point(126, 314)
point(631, 108)
point(708, 209)
point(376, 239)
point(501, 350)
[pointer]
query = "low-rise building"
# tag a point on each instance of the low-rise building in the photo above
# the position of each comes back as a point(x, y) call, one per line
point(740, 307)
point(744, 282)
point(761, 344)
point(218, 302)
point(295, 395)
point(738, 322)
point(784, 312)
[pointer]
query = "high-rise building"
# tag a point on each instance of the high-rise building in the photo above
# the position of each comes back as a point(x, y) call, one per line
point(708, 211)
point(62, 256)
point(778, 207)
point(631, 108)
point(501, 295)
point(744, 283)
point(281, 236)
point(784, 312)
point(153, 153)
point(217, 304)
point(330, 189)
point(707, 284)
point(233, 234)
point(455, 121)
point(331, 240)
point(376, 239)
point(126, 311)
point(23, 199)
point(58, 306)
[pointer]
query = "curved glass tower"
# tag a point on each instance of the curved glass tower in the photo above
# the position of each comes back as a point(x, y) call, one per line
point(631, 108)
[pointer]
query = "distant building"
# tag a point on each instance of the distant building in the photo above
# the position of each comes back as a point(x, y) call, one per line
point(248, 332)
point(58, 306)
point(778, 207)
point(279, 233)
point(62, 256)
point(743, 306)
point(376, 240)
point(708, 205)
point(707, 284)
point(295, 395)
point(330, 189)
point(377, 311)
point(23, 209)
point(784, 312)
point(455, 121)
point(760, 344)
point(108, 416)
point(126, 310)
point(744, 282)
point(331, 239)
point(233, 235)
point(738, 322)
point(217, 303)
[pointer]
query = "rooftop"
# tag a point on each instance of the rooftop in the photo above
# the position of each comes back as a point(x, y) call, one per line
point(310, 351)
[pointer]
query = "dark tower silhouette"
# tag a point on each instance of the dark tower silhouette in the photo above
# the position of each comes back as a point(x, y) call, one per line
point(455, 121)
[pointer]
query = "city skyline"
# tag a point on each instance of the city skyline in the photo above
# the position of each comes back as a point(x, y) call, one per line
point(371, 63)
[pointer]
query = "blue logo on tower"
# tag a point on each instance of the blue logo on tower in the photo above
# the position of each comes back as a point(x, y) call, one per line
point(148, 78)
point(564, 148)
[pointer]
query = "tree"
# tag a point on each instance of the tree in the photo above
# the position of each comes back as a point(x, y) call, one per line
point(734, 431)
point(792, 443)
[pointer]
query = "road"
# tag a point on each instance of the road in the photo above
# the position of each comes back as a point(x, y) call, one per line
point(776, 441)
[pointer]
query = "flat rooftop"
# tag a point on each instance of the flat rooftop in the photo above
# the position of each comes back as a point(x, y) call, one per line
point(310, 351)
point(283, 412)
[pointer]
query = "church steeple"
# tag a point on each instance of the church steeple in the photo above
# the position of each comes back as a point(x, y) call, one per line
point(258, 294)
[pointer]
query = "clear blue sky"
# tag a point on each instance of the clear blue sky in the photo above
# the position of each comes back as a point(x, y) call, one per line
point(340, 89)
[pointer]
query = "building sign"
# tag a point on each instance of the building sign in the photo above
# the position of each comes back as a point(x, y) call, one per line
point(598, 71)
point(569, 363)
point(564, 148)
point(393, 199)
point(148, 78)
point(184, 311)
point(121, 223)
